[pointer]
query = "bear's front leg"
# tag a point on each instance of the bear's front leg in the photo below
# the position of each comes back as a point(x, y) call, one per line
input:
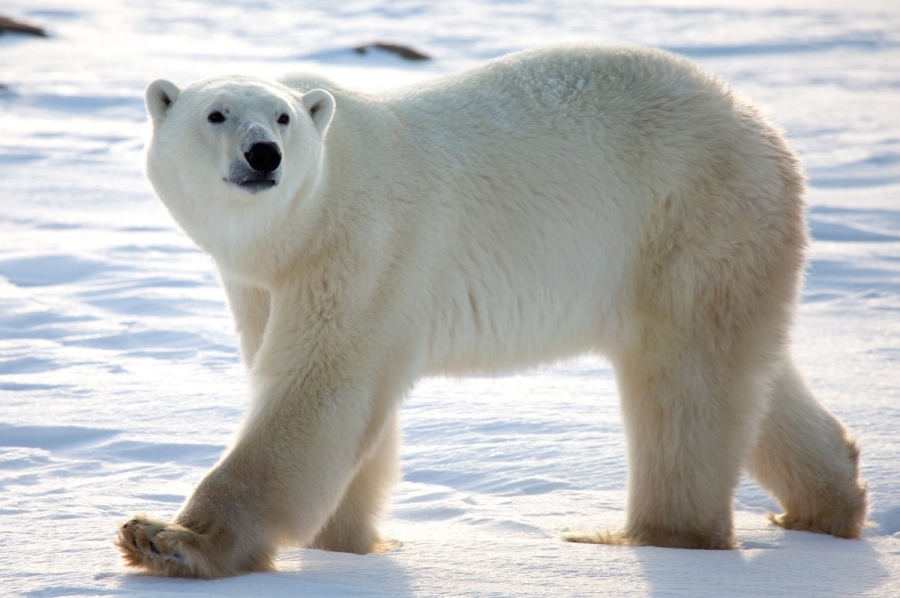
point(319, 409)
point(228, 526)
point(173, 550)
point(353, 527)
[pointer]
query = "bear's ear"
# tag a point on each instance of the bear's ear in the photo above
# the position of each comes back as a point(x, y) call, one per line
point(160, 95)
point(320, 106)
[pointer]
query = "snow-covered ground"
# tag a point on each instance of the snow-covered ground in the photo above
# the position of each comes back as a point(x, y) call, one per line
point(119, 377)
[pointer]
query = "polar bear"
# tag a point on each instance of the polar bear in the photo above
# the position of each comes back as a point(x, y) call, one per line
point(552, 202)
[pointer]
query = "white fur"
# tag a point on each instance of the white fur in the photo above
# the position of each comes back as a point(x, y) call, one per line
point(551, 202)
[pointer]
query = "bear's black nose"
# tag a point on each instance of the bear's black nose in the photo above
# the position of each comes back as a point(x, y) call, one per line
point(263, 157)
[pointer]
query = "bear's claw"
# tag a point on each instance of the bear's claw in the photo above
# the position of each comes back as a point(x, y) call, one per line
point(144, 543)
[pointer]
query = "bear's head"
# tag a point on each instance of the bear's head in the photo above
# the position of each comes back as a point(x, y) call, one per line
point(229, 156)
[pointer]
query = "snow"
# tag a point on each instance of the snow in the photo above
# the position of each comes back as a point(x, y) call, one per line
point(119, 377)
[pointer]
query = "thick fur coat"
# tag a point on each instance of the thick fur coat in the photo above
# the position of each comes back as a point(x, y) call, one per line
point(549, 203)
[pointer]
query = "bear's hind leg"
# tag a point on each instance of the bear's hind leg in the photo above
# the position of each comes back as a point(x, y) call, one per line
point(354, 526)
point(805, 457)
point(692, 392)
point(690, 416)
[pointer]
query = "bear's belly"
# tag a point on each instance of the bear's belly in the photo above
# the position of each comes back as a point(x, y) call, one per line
point(527, 299)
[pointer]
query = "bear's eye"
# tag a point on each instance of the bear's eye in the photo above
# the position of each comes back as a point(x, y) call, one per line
point(283, 119)
point(216, 117)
